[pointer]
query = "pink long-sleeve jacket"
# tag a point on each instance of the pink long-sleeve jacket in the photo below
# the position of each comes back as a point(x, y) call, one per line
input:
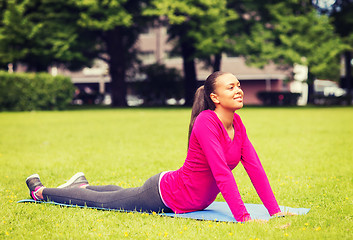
point(207, 170)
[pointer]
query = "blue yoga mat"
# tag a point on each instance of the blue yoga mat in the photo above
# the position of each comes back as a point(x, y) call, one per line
point(217, 211)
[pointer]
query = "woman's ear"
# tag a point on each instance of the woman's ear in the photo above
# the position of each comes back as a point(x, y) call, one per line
point(214, 98)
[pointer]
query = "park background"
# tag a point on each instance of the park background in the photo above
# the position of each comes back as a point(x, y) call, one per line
point(122, 75)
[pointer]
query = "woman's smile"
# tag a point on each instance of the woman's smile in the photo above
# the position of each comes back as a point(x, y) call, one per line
point(238, 98)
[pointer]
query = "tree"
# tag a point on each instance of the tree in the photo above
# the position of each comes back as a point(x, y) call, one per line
point(288, 32)
point(342, 18)
point(118, 24)
point(43, 33)
point(199, 28)
point(40, 33)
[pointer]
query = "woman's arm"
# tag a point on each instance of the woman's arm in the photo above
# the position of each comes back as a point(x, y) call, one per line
point(256, 172)
point(208, 133)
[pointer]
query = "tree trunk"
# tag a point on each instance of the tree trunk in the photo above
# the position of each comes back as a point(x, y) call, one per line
point(117, 66)
point(190, 81)
point(217, 62)
point(311, 79)
point(348, 77)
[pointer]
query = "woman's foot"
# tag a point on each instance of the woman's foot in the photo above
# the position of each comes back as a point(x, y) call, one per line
point(35, 187)
point(76, 181)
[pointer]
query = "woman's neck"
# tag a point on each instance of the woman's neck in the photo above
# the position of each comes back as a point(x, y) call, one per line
point(226, 118)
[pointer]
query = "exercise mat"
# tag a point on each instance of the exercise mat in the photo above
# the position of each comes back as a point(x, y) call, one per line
point(217, 211)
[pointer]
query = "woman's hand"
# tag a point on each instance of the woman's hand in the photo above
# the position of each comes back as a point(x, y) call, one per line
point(283, 214)
point(279, 214)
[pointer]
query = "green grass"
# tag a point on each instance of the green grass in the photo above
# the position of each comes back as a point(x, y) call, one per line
point(306, 152)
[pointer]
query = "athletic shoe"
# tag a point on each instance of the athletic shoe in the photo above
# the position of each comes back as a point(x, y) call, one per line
point(34, 184)
point(75, 181)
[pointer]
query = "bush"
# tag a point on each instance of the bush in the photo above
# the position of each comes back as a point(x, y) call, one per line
point(161, 84)
point(31, 91)
point(278, 98)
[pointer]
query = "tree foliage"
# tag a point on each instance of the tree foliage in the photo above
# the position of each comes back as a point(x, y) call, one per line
point(104, 15)
point(199, 28)
point(288, 32)
point(40, 33)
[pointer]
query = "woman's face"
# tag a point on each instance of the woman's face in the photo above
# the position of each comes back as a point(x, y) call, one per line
point(228, 94)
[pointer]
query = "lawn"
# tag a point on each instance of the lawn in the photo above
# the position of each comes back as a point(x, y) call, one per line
point(306, 152)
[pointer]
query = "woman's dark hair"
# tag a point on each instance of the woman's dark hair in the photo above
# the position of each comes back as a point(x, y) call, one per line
point(202, 99)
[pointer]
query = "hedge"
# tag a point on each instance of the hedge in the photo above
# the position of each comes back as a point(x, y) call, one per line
point(34, 91)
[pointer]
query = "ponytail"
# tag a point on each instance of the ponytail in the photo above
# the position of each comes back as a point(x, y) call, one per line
point(202, 99)
point(201, 103)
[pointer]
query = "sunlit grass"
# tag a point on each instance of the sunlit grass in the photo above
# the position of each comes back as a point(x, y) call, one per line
point(307, 154)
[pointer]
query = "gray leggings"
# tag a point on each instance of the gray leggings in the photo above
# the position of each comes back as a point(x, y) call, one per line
point(145, 198)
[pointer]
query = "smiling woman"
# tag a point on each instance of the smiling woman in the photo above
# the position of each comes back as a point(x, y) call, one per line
point(228, 98)
point(217, 143)
point(222, 94)
point(228, 93)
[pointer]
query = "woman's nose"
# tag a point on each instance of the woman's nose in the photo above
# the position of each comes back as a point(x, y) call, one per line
point(238, 90)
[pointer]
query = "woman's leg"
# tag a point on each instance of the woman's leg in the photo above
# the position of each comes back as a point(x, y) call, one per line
point(79, 180)
point(144, 198)
point(105, 188)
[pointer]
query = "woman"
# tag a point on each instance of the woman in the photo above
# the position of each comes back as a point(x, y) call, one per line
point(217, 143)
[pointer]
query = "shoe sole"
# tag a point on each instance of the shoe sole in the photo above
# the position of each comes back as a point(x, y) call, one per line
point(72, 179)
